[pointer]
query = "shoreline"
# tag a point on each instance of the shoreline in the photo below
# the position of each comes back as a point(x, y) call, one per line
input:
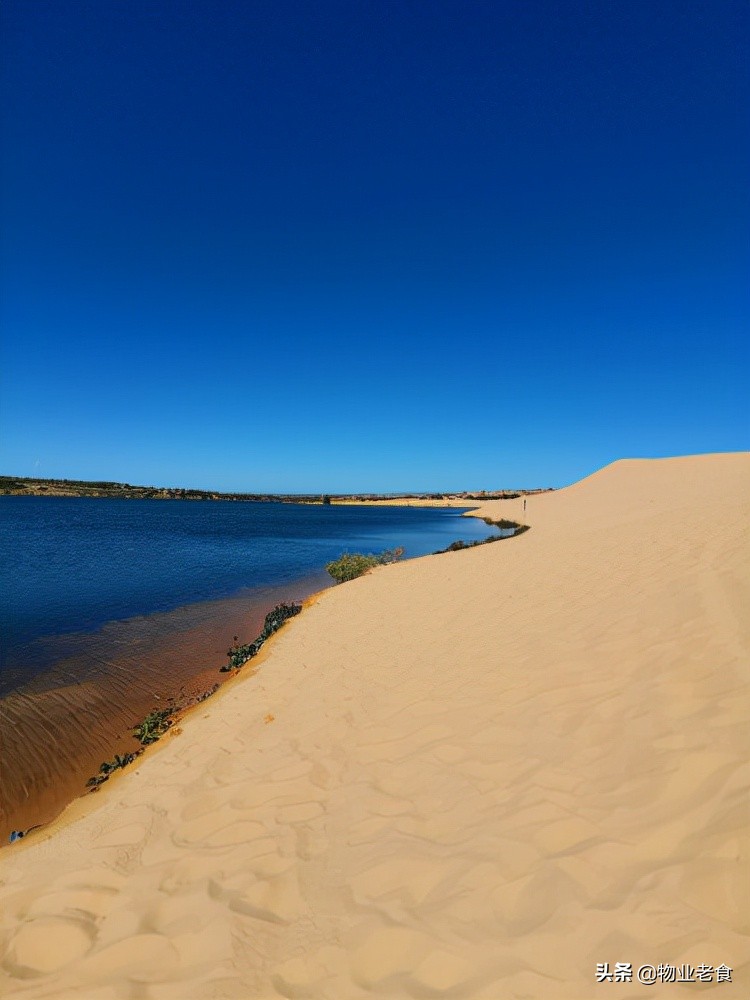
point(108, 733)
point(159, 663)
point(471, 776)
point(87, 802)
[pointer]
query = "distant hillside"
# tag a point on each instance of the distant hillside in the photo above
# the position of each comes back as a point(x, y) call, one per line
point(21, 486)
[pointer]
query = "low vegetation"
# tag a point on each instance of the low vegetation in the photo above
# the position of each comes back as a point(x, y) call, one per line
point(353, 564)
point(108, 767)
point(154, 726)
point(457, 546)
point(151, 729)
point(240, 653)
point(159, 721)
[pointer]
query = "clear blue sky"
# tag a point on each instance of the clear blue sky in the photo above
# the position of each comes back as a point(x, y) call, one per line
point(349, 245)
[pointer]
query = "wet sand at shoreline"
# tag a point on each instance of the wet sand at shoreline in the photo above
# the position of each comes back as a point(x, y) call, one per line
point(474, 775)
point(58, 727)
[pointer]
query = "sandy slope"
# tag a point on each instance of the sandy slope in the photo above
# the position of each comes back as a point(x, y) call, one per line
point(473, 775)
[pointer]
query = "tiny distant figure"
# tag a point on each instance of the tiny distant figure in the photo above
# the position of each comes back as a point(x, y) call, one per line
point(524, 505)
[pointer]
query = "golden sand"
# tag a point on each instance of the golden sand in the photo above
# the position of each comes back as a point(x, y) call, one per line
point(474, 775)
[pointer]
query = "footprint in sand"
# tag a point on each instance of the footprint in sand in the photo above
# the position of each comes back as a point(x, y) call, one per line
point(45, 945)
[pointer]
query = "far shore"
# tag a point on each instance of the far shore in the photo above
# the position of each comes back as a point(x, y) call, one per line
point(20, 486)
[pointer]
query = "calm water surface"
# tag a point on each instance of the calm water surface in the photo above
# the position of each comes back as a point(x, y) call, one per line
point(70, 565)
point(111, 608)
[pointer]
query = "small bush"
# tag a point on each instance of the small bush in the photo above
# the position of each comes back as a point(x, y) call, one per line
point(390, 555)
point(457, 546)
point(276, 618)
point(240, 653)
point(350, 565)
point(120, 760)
point(353, 564)
point(153, 726)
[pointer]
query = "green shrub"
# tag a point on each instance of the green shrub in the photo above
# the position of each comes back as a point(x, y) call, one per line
point(276, 618)
point(350, 565)
point(238, 654)
point(153, 726)
point(120, 760)
point(457, 546)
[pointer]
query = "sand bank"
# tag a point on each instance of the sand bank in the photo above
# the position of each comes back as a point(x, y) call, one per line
point(471, 775)
point(58, 727)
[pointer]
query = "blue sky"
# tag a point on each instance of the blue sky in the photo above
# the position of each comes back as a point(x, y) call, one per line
point(371, 245)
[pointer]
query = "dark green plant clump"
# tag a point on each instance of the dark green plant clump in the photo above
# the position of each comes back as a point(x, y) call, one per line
point(146, 732)
point(353, 564)
point(505, 523)
point(120, 761)
point(241, 653)
point(457, 546)
point(153, 726)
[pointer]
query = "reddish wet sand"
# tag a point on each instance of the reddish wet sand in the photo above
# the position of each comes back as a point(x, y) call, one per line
point(58, 728)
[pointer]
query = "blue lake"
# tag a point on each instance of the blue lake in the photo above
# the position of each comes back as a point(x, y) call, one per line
point(70, 565)
point(111, 608)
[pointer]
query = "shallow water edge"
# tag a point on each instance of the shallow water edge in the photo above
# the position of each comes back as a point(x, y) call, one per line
point(61, 725)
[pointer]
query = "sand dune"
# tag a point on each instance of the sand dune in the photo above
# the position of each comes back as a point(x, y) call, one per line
point(474, 775)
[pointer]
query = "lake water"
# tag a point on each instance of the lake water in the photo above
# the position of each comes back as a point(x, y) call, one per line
point(73, 564)
point(112, 607)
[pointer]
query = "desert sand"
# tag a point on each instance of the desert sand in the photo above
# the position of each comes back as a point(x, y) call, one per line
point(474, 775)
